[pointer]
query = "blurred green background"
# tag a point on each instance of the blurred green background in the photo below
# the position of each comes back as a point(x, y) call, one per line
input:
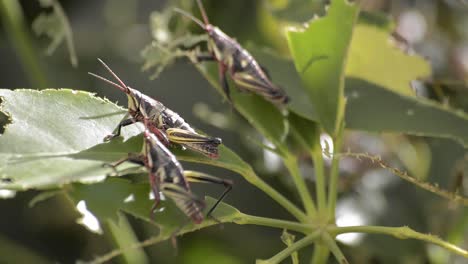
point(118, 30)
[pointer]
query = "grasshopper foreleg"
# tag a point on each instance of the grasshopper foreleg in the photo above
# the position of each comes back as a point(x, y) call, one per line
point(116, 132)
point(193, 176)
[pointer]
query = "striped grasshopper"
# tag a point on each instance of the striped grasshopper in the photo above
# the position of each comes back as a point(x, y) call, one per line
point(243, 69)
point(167, 176)
point(162, 121)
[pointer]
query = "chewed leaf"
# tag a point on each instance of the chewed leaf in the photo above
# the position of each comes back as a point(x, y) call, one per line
point(381, 110)
point(373, 58)
point(47, 128)
point(319, 53)
point(294, 10)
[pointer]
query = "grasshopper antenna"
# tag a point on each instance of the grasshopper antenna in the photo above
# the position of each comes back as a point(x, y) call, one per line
point(108, 81)
point(122, 84)
point(203, 12)
point(189, 16)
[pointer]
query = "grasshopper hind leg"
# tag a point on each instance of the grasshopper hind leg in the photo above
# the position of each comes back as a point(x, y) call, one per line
point(223, 80)
point(199, 177)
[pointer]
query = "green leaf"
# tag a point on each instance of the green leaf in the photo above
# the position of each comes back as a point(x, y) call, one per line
point(284, 74)
point(374, 59)
point(107, 198)
point(48, 150)
point(307, 132)
point(294, 10)
point(383, 102)
point(159, 56)
point(227, 160)
point(261, 114)
point(319, 53)
point(382, 110)
point(47, 128)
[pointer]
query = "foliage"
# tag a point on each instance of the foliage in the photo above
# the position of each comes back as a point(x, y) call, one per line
point(337, 77)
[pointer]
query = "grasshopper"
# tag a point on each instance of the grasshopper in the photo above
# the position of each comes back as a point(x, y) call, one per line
point(243, 69)
point(166, 175)
point(163, 122)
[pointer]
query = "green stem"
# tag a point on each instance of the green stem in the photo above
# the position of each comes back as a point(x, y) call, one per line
point(13, 19)
point(276, 223)
point(249, 175)
point(123, 236)
point(307, 240)
point(401, 233)
point(320, 254)
point(316, 155)
point(241, 219)
point(333, 247)
point(334, 173)
point(291, 163)
point(275, 195)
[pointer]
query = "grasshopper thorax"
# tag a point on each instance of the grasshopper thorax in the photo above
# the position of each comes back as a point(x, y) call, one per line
point(141, 106)
point(222, 46)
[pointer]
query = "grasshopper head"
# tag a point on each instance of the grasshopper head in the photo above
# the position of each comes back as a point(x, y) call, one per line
point(134, 101)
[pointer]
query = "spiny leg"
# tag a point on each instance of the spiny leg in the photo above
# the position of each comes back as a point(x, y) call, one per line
point(132, 157)
point(154, 183)
point(194, 176)
point(116, 132)
point(223, 80)
point(205, 57)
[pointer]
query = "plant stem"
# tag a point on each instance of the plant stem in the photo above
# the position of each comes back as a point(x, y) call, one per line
point(331, 244)
point(291, 163)
point(307, 240)
point(249, 175)
point(275, 195)
point(276, 223)
point(401, 233)
point(123, 236)
point(334, 173)
point(13, 19)
point(320, 254)
point(320, 188)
